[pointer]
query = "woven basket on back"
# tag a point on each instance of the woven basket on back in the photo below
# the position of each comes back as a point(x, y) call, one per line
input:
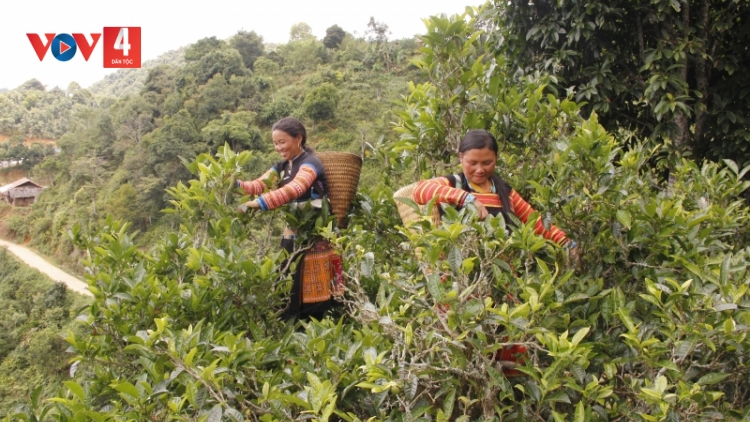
point(342, 171)
point(407, 213)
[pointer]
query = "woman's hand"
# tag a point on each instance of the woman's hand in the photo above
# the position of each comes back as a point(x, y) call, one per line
point(574, 254)
point(482, 212)
point(249, 205)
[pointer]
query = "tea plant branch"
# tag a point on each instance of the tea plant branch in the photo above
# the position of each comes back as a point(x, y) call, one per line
point(190, 371)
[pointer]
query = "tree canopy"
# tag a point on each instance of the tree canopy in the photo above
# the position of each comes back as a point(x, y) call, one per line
point(334, 36)
point(300, 31)
point(202, 47)
point(649, 324)
point(668, 69)
point(249, 45)
point(320, 103)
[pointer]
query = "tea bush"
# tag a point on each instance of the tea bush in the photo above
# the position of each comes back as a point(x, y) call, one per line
point(650, 324)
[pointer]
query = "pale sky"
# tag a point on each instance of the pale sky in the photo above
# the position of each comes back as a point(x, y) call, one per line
point(167, 25)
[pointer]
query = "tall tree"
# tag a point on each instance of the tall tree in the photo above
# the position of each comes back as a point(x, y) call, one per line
point(32, 84)
point(664, 68)
point(202, 47)
point(133, 118)
point(300, 31)
point(280, 107)
point(320, 103)
point(215, 97)
point(226, 62)
point(334, 36)
point(250, 46)
point(235, 129)
point(377, 31)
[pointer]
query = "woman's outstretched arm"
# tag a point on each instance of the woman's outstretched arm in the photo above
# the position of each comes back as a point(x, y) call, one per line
point(441, 189)
point(523, 210)
point(257, 186)
point(300, 184)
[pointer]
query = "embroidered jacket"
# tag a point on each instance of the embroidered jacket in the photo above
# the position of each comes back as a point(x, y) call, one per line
point(302, 180)
point(441, 188)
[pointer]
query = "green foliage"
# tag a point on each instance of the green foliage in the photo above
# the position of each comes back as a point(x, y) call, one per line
point(202, 47)
point(130, 81)
point(377, 31)
point(249, 45)
point(34, 112)
point(334, 36)
point(470, 87)
point(237, 130)
point(176, 109)
point(27, 156)
point(664, 68)
point(646, 327)
point(215, 97)
point(225, 62)
point(17, 227)
point(123, 204)
point(265, 66)
point(320, 103)
point(300, 31)
point(303, 54)
point(33, 313)
point(279, 108)
point(33, 84)
point(649, 325)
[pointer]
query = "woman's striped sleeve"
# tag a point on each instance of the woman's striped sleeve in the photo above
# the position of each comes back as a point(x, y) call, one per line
point(257, 186)
point(291, 191)
point(439, 188)
point(523, 210)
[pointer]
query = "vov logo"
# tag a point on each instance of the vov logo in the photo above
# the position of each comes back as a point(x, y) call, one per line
point(122, 46)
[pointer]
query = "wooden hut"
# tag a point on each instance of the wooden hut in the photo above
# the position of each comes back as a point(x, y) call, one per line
point(21, 193)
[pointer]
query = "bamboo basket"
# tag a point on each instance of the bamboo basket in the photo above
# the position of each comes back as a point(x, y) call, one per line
point(342, 172)
point(407, 213)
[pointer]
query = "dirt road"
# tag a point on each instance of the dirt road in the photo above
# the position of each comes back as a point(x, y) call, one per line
point(35, 261)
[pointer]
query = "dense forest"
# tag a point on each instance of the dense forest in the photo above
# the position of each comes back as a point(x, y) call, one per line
point(620, 122)
point(35, 311)
point(119, 153)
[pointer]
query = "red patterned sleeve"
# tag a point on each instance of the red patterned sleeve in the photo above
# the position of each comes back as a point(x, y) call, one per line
point(291, 191)
point(439, 188)
point(523, 210)
point(257, 186)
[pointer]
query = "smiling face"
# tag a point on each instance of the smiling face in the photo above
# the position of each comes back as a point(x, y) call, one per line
point(478, 165)
point(286, 145)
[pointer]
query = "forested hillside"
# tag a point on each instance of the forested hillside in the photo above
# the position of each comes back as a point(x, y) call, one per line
point(121, 141)
point(130, 81)
point(34, 314)
point(647, 321)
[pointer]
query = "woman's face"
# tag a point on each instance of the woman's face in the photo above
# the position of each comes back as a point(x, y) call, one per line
point(478, 164)
point(286, 145)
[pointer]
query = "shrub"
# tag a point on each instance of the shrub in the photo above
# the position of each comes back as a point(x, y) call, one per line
point(17, 227)
point(648, 325)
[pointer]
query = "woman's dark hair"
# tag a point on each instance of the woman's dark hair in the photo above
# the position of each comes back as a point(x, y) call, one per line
point(478, 139)
point(292, 127)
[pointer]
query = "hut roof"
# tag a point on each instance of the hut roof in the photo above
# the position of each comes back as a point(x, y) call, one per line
point(21, 188)
point(23, 182)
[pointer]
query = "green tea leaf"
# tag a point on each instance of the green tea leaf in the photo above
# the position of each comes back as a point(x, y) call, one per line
point(712, 378)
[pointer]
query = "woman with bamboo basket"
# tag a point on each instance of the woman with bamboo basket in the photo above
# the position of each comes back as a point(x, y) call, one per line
point(301, 181)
